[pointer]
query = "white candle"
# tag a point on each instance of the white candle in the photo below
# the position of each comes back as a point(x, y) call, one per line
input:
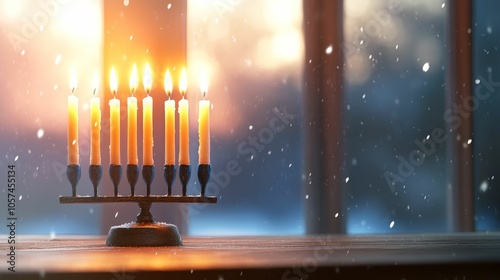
point(169, 122)
point(73, 151)
point(114, 120)
point(95, 126)
point(183, 122)
point(132, 157)
point(147, 126)
point(147, 107)
point(204, 125)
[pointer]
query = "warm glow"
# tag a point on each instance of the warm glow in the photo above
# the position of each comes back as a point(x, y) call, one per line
point(183, 82)
point(134, 79)
point(203, 83)
point(148, 79)
point(12, 9)
point(167, 83)
point(113, 82)
point(72, 82)
point(95, 83)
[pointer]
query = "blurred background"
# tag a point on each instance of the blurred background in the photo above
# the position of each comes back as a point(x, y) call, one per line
point(395, 67)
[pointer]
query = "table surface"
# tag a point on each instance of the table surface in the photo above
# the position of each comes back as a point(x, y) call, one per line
point(470, 254)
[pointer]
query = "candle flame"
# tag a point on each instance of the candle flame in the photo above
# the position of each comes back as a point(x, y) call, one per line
point(113, 82)
point(203, 83)
point(95, 83)
point(167, 83)
point(72, 82)
point(148, 79)
point(134, 79)
point(183, 82)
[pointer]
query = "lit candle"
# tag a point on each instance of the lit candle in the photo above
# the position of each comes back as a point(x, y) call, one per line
point(73, 154)
point(132, 120)
point(183, 122)
point(114, 122)
point(169, 122)
point(95, 125)
point(204, 123)
point(147, 126)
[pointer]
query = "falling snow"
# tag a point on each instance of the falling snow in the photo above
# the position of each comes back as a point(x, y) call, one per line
point(484, 186)
point(58, 59)
point(426, 67)
point(392, 224)
point(116, 214)
point(329, 49)
point(40, 133)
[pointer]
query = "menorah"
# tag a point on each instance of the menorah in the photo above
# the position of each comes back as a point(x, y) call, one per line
point(144, 231)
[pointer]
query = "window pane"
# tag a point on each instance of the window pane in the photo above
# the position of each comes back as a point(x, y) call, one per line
point(396, 60)
point(253, 52)
point(486, 57)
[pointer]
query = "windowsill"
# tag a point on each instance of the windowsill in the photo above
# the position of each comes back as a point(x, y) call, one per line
point(449, 255)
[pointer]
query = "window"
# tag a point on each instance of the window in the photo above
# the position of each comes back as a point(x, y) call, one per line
point(328, 116)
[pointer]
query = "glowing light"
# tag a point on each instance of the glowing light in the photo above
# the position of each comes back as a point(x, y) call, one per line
point(12, 9)
point(134, 79)
point(113, 82)
point(95, 83)
point(183, 82)
point(148, 79)
point(72, 82)
point(167, 83)
point(203, 83)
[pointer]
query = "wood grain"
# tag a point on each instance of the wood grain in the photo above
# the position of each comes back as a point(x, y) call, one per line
point(279, 256)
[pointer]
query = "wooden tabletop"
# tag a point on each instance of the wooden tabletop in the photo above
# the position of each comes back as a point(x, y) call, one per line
point(474, 256)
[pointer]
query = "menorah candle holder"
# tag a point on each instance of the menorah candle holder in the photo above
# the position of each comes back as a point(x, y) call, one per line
point(132, 177)
point(144, 231)
point(95, 175)
point(169, 176)
point(73, 172)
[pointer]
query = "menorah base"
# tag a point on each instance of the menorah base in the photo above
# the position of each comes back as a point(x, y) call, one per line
point(144, 234)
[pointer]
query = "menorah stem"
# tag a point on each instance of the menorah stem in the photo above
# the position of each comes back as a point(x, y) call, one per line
point(148, 174)
point(184, 175)
point(145, 215)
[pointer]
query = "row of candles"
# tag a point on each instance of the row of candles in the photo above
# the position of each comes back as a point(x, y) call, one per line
point(147, 110)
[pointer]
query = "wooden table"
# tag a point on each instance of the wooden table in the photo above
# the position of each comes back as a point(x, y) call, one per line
point(422, 256)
